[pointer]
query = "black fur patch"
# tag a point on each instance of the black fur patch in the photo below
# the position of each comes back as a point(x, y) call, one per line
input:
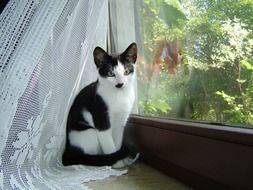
point(89, 100)
point(74, 155)
point(109, 65)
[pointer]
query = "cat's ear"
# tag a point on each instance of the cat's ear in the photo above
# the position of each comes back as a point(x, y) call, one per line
point(130, 54)
point(100, 56)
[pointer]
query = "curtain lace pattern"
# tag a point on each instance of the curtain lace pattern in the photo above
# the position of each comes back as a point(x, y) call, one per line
point(45, 59)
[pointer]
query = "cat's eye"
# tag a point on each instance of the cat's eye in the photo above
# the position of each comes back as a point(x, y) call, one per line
point(111, 74)
point(127, 72)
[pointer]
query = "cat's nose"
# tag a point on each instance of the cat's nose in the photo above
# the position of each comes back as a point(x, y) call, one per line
point(119, 85)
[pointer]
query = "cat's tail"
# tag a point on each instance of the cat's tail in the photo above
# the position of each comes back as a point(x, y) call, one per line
point(74, 156)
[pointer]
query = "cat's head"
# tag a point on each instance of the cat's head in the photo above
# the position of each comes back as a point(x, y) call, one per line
point(116, 70)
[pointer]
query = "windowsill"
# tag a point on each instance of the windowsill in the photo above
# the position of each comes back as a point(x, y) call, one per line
point(202, 155)
point(139, 177)
point(219, 132)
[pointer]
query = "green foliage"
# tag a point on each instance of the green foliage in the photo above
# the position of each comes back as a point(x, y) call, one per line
point(171, 15)
point(153, 96)
point(238, 110)
point(215, 80)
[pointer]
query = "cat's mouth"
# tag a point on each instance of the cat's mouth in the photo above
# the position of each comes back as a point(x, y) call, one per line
point(119, 85)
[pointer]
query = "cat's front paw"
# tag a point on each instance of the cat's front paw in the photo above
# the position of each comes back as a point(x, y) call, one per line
point(125, 162)
point(119, 164)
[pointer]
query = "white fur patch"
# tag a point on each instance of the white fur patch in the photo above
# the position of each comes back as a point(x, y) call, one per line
point(119, 74)
point(88, 117)
point(106, 141)
point(87, 140)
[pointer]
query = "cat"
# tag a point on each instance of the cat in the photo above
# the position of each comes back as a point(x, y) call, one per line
point(99, 113)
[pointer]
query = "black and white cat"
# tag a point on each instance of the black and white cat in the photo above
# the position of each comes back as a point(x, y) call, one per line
point(100, 111)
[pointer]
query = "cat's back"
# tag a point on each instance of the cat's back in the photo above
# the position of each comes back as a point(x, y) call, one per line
point(86, 96)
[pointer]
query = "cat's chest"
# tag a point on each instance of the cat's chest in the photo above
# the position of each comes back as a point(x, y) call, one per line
point(119, 102)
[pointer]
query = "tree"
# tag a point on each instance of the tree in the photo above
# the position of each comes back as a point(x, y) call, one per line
point(214, 78)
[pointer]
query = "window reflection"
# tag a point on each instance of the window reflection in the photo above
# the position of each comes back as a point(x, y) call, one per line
point(196, 60)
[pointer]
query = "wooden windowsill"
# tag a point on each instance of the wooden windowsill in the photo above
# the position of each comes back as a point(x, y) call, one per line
point(139, 177)
point(202, 155)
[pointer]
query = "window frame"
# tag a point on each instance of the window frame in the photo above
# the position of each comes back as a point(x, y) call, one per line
point(204, 156)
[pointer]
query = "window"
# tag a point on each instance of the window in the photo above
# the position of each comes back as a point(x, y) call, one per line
point(195, 60)
point(194, 64)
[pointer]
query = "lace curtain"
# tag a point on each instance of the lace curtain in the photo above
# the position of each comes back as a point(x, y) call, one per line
point(45, 59)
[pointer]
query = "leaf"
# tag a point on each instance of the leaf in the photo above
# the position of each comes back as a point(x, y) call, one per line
point(170, 14)
point(247, 65)
point(219, 93)
point(241, 81)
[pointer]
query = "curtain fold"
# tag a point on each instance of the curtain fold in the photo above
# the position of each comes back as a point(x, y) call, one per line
point(46, 58)
point(122, 24)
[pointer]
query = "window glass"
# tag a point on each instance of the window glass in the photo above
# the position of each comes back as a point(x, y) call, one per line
point(195, 60)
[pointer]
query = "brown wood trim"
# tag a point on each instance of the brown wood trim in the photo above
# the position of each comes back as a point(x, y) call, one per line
point(201, 155)
point(213, 131)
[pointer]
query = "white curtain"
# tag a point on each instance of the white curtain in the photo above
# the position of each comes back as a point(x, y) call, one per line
point(45, 59)
point(122, 24)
